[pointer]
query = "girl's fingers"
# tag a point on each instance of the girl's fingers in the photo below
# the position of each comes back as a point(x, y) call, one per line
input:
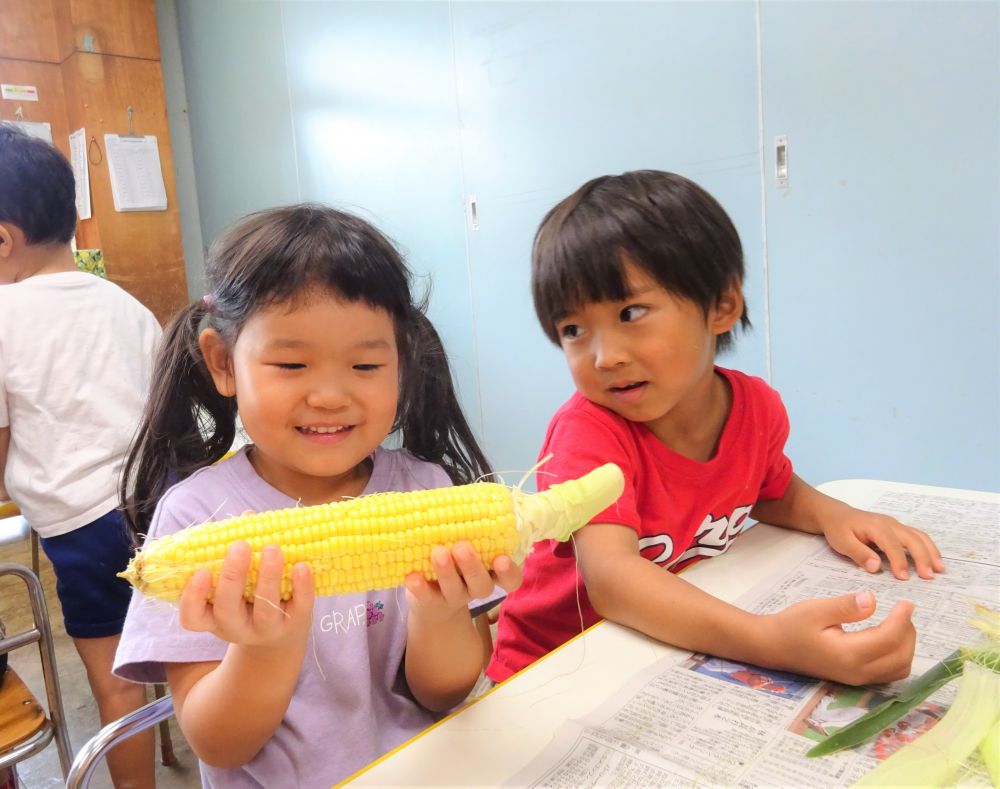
point(461, 577)
point(303, 590)
point(195, 609)
point(476, 578)
point(449, 581)
point(419, 589)
point(228, 600)
point(267, 593)
point(508, 574)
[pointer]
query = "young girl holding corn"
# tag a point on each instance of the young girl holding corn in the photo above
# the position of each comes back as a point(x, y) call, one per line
point(310, 336)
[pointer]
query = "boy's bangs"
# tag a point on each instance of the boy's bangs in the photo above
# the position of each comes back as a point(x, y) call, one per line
point(568, 282)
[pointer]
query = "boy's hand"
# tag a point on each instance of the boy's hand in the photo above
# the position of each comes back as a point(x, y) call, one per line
point(853, 533)
point(267, 622)
point(809, 639)
point(850, 531)
point(462, 578)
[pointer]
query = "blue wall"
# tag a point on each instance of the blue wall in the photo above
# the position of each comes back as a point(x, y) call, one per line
point(552, 95)
point(884, 252)
point(238, 104)
point(376, 131)
point(872, 279)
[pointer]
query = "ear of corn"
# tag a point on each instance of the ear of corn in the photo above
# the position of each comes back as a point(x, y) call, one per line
point(374, 542)
point(936, 756)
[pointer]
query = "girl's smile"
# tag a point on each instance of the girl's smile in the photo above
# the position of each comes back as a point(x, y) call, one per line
point(330, 435)
point(316, 384)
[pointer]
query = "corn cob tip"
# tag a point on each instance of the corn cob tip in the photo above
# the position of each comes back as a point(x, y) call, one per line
point(557, 512)
point(133, 572)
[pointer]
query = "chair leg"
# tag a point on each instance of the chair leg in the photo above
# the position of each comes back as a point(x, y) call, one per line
point(167, 757)
point(34, 551)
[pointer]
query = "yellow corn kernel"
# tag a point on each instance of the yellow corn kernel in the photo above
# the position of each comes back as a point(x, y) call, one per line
point(373, 542)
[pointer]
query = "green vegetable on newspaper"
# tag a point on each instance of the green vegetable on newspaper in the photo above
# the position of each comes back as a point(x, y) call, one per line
point(972, 722)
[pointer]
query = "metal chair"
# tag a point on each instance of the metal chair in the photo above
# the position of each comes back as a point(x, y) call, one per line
point(14, 527)
point(21, 737)
point(156, 712)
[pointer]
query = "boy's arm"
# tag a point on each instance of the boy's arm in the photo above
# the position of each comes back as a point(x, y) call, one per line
point(806, 638)
point(851, 531)
point(4, 444)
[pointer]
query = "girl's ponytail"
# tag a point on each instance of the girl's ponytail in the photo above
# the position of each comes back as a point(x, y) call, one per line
point(186, 424)
point(430, 418)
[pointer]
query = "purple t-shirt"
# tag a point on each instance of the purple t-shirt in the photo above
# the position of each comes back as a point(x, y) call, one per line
point(351, 703)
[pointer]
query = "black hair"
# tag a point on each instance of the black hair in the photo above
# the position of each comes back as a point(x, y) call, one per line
point(37, 188)
point(275, 257)
point(667, 225)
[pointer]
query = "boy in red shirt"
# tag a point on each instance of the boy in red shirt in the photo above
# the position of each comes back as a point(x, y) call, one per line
point(638, 278)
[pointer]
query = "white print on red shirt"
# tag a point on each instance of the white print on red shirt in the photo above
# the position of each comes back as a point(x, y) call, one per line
point(712, 538)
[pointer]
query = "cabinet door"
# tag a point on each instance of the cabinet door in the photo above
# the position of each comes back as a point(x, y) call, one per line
point(553, 94)
point(372, 90)
point(883, 248)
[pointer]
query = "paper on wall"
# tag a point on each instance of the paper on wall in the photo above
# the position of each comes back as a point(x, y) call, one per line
point(78, 158)
point(136, 176)
point(40, 129)
point(18, 92)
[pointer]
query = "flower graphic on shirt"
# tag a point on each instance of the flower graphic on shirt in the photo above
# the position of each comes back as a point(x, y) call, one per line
point(376, 612)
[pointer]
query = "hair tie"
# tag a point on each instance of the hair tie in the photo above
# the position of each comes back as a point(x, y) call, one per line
point(209, 300)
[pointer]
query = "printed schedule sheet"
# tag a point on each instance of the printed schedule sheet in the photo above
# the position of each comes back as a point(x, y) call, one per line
point(703, 721)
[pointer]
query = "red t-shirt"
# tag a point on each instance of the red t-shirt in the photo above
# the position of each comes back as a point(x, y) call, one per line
point(682, 509)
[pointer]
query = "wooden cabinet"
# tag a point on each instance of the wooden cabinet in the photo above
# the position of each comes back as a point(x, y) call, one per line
point(36, 30)
point(115, 27)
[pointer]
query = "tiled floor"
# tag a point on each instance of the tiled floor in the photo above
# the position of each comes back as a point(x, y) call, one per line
point(42, 770)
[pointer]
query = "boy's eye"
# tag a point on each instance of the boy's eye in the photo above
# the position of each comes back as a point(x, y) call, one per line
point(632, 313)
point(569, 331)
point(289, 365)
point(366, 368)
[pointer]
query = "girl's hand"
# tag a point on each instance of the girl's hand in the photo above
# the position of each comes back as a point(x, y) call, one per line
point(462, 578)
point(267, 622)
point(444, 650)
point(853, 533)
point(808, 638)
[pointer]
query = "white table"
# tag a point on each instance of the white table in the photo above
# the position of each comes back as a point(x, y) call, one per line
point(486, 742)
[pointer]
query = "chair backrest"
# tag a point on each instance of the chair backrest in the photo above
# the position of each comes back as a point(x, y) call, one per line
point(54, 725)
point(14, 528)
point(93, 751)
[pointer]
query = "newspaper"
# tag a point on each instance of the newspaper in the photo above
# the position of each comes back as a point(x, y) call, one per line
point(709, 722)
